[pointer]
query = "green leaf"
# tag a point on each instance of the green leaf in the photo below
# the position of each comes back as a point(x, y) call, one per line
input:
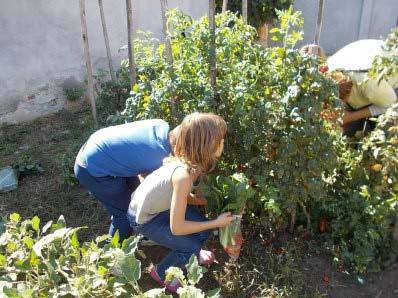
point(215, 293)
point(175, 272)
point(190, 292)
point(11, 293)
point(194, 271)
point(131, 268)
point(101, 238)
point(130, 245)
point(23, 265)
point(102, 270)
point(35, 223)
point(28, 242)
point(74, 241)
point(58, 234)
point(3, 261)
point(34, 260)
point(15, 217)
point(46, 227)
point(156, 293)
point(61, 222)
point(115, 240)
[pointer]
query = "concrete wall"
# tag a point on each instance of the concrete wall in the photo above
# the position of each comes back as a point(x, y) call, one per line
point(345, 21)
point(41, 47)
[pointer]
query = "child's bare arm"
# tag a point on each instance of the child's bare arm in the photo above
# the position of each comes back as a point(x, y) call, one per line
point(178, 225)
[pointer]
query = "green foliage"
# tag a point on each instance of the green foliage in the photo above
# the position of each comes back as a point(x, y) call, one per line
point(194, 275)
point(26, 166)
point(67, 172)
point(362, 211)
point(386, 66)
point(50, 260)
point(227, 193)
point(74, 93)
point(112, 95)
point(273, 101)
point(258, 11)
point(289, 32)
point(276, 94)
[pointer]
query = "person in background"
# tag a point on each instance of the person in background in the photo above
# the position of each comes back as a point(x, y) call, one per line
point(364, 97)
point(160, 207)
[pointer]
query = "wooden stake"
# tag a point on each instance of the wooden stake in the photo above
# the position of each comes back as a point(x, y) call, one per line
point(212, 46)
point(244, 10)
point(319, 23)
point(224, 6)
point(88, 61)
point(133, 74)
point(106, 39)
point(169, 53)
point(263, 34)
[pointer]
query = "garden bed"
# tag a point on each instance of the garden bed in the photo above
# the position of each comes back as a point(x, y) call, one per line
point(291, 265)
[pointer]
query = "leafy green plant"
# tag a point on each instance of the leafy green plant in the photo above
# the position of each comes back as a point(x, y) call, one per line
point(273, 100)
point(194, 275)
point(290, 30)
point(112, 95)
point(27, 167)
point(51, 261)
point(66, 163)
point(74, 93)
point(361, 214)
point(259, 11)
point(227, 193)
point(386, 66)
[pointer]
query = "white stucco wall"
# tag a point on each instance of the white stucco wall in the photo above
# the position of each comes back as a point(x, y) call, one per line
point(345, 21)
point(41, 46)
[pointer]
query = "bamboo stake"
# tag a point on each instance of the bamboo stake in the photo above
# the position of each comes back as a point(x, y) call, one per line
point(212, 25)
point(133, 74)
point(244, 10)
point(88, 60)
point(319, 23)
point(224, 6)
point(106, 39)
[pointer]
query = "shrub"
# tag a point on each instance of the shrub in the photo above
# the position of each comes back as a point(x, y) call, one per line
point(270, 98)
point(74, 93)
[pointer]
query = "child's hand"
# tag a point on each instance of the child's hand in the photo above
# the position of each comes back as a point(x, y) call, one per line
point(224, 219)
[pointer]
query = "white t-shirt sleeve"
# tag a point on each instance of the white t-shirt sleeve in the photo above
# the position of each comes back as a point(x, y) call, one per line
point(376, 110)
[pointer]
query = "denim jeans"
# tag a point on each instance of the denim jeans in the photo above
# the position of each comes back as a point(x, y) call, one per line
point(182, 247)
point(114, 193)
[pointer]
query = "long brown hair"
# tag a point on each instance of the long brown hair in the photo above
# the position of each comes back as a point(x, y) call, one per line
point(197, 139)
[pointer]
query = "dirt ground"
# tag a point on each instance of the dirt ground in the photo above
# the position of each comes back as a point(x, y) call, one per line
point(289, 266)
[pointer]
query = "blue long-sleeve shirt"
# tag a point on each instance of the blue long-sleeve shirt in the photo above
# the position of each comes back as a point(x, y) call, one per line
point(126, 150)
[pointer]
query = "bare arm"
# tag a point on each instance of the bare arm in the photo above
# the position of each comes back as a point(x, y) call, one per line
point(350, 116)
point(178, 225)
